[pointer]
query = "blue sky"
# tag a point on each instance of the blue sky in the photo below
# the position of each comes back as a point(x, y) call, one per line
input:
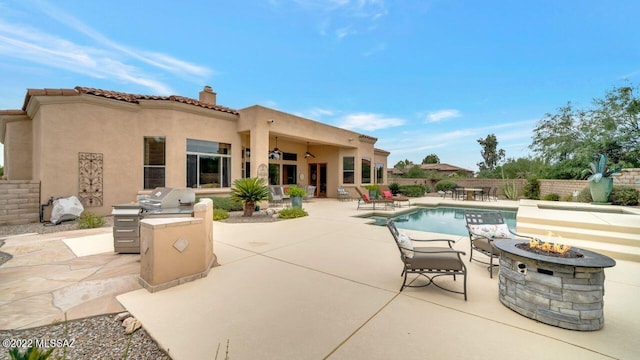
point(422, 76)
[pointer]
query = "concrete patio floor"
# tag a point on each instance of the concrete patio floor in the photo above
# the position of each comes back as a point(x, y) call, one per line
point(323, 286)
point(326, 286)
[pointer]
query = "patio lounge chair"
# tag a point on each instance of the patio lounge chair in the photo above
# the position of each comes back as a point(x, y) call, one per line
point(366, 200)
point(484, 227)
point(429, 261)
point(397, 200)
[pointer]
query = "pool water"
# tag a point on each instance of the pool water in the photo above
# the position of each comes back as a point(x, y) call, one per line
point(444, 220)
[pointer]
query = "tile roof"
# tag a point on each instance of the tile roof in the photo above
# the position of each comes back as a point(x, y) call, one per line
point(132, 98)
point(442, 167)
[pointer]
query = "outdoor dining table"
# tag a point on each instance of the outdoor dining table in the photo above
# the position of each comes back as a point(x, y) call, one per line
point(470, 193)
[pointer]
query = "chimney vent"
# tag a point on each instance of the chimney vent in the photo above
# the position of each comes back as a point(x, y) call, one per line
point(207, 96)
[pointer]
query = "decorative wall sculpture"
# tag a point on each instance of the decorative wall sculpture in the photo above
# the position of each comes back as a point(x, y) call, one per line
point(90, 179)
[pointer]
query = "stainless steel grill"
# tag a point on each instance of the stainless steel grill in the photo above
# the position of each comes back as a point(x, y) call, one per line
point(162, 202)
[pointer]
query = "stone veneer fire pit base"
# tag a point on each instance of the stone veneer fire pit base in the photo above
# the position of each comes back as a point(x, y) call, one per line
point(563, 295)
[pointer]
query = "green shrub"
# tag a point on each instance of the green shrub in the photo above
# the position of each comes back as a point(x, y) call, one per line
point(292, 213)
point(552, 197)
point(394, 188)
point(226, 203)
point(624, 195)
point(31, 353)
point(295, 190)
point(567, 197)
point(445, 185)
point(532, 188)
point(412, 190)
point(220, 214)
point(89, 220)
point(585, 195)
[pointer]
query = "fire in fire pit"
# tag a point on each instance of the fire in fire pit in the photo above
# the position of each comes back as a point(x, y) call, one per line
point(539, 247)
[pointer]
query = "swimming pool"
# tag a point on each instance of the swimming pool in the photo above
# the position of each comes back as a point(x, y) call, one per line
point(445, 220)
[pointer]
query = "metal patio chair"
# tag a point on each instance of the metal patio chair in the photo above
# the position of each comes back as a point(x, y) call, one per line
point(343, 194)
point(484, 227)
point(429, 261)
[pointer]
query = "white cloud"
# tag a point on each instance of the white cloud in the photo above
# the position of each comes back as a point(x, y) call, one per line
point(369, 122)
point(342, 18)
point(104, 59)
point(441, 115)
point(316, 113)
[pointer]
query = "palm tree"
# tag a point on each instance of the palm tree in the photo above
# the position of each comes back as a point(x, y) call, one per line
point(249, 191)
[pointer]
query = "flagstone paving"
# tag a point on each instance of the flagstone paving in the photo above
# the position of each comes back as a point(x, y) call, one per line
point(45, 280)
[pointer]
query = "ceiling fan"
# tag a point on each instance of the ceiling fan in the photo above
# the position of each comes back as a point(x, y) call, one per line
point(308, 154)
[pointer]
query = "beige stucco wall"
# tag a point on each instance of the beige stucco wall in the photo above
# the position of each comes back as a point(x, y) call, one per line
point(66, 126)
point(18, 135)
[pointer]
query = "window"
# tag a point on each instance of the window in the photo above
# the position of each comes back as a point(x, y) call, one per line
point(366, 170)
point(379, 173)
point(290, 156)
point(247, 163)
point(154, 162)
point(348, 170)
point(208, 164)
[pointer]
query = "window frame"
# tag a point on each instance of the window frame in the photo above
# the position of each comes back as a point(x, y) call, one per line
point(346, 171)
point(151, 167)
point(365, 176)
point(202, 150)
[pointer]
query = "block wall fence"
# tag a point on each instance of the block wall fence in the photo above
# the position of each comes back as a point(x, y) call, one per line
point(19, 202)
point(20, 199)
point(627, 177)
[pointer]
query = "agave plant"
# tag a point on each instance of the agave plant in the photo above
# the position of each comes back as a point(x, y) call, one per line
point(599, 170)
point(249, 191)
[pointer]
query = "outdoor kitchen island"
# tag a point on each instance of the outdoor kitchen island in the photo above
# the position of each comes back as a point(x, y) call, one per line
point(564, 291)
point(162, 202)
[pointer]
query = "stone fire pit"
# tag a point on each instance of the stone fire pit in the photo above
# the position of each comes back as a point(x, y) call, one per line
point(562, 291)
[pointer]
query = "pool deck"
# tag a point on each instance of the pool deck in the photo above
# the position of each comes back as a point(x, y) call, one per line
point(326, 287)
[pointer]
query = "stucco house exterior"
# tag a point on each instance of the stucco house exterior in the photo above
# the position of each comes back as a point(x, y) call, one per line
point(107, 147)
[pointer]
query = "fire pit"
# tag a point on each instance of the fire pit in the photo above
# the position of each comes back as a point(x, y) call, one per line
point(564, 290)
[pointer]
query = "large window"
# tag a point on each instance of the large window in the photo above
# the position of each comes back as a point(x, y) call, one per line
point(154, 162)
point(379, 173)
point(366, 170)
point(208, 164)
point(348, 170)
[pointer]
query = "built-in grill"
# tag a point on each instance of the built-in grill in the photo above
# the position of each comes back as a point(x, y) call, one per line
point(162, 202)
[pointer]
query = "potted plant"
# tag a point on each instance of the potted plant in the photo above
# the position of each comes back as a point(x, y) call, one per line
point(249, 191)
point(600, 180)
point(374, 191)
point(394, 188)
point(296, 193)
